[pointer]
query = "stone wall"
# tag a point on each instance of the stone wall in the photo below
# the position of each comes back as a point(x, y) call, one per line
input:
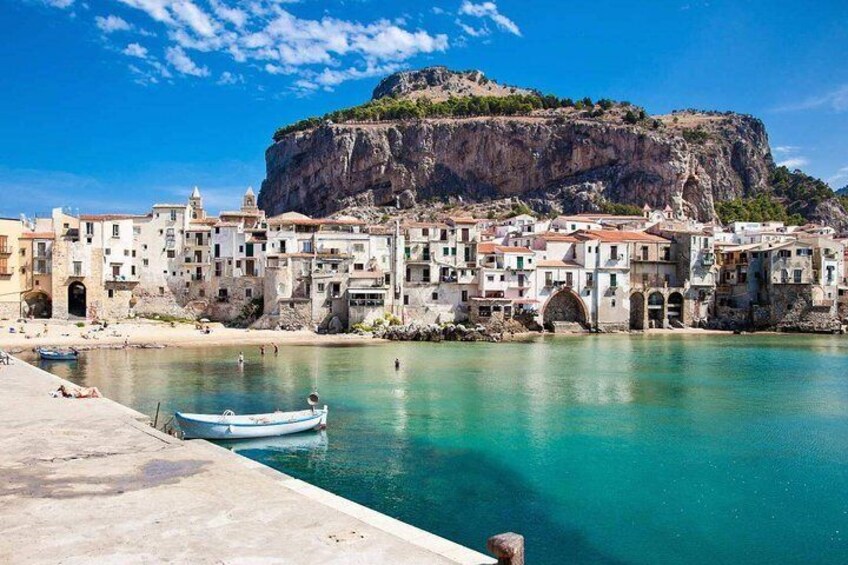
point(10, 310)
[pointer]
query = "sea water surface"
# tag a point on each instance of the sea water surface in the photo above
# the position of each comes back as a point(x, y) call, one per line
point(599, 449)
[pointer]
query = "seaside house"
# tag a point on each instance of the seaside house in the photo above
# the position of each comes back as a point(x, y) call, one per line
point(11, 287)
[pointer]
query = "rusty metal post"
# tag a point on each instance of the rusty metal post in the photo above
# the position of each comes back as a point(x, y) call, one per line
point(508, 548)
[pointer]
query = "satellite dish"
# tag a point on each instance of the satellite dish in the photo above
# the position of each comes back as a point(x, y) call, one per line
point(313, 399)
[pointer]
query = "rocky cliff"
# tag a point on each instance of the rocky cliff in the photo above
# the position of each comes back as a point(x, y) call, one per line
point(563, 159)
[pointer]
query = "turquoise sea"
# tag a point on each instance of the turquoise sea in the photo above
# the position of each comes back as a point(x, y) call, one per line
point(599, 449)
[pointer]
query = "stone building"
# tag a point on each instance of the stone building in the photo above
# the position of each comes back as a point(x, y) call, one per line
point(10, 276)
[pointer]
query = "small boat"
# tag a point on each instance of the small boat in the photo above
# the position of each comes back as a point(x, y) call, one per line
point(230, 425)
point(56, 355)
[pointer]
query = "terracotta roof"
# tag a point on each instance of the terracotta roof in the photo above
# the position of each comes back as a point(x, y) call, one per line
point(557, 236)
point(609, 217)
point(620, 236)
point(424, 225)
point(487, 248)
point(109, 217)
point(37, 235)
point(464, 220)
point(306, 221)
point(556, 263)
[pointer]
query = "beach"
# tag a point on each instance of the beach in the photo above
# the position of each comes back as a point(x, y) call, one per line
point(151, 333)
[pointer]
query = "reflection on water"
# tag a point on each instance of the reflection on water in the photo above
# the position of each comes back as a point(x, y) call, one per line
point(631, 449)
point(292, 444)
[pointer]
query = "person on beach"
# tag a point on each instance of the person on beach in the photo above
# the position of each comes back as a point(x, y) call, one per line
point(397, 364)
point(276, 349)
point(241, 358)
point(262, 350)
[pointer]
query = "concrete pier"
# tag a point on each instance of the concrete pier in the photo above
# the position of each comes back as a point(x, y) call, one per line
point(89, 480)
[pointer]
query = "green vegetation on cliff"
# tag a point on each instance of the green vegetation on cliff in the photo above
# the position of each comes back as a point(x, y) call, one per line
point(466, 106)
point(793, 199)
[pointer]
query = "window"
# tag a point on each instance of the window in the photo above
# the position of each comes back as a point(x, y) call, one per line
point(110, 293)
point(222, 293)
point(612, 303)
point(89, 228)
point(116, 230)
point(171, 254)
point(387, 279)
point(490, 278)
point(446, 251)
point(248, 293)
point(132, 270)
point(797, 274)
point(613, 280)
point(435, 296)
point(77, 268)
point(614, 252)
point(644, 253)
point(549, 278)
point(217, 250)
point(108, 251)
point(569, 279)
point(145, 262)
point(173, 215)
point(464, 296)
point(426, 274)
point(358, 267)
point(336, 289)
point(406, 300)
point(320, 287)
point(358, 248)
point(590, 279)
point(425, 232)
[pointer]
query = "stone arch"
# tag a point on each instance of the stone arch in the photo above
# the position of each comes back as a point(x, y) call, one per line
point(656, 309)
point(674, 307)
point(77, 299)
point(564, 306)
point(37, 304)
point(637, 311)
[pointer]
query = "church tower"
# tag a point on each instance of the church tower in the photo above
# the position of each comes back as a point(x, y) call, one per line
point(248, 203)
point(195, 203)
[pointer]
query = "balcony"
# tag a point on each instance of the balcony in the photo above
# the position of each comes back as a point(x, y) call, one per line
point(5, 249)
point(708, 259)
point(366, 302)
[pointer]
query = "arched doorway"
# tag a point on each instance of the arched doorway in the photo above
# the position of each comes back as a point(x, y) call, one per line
point(656, 310)
point(37, 304)
point(637, 311)
point(675, 308)
point(564, 306)
point(76, 299)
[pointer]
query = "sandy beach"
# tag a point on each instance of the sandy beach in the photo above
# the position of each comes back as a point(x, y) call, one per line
point(149, 333)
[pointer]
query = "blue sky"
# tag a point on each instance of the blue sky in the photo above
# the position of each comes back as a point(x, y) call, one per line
point(112, 105)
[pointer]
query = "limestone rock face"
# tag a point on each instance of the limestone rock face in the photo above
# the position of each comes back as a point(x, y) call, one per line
point(556, 163)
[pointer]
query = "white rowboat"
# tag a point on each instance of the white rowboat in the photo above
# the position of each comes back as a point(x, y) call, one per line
point(232, 426)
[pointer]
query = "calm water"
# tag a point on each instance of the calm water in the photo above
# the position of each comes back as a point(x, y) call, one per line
point(599, 449)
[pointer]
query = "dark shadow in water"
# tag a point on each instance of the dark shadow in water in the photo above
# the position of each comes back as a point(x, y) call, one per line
point(486, 496)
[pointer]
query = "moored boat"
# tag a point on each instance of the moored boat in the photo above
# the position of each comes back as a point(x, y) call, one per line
point(230, 425)
point(56, 355)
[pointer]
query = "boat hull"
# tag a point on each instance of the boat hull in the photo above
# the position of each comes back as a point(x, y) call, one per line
point(201, 426)
point(48, 355)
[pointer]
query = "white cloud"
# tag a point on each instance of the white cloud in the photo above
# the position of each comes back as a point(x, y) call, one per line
point(840, 178)
point(472, 31)
point(135, 50)
point(836, 100)
point(111, 24)
point(264, 34)
point(227, 78)
point(183, 63)
point(786, 149)
point(794, 163)
point(61, 4)
point(489, 10)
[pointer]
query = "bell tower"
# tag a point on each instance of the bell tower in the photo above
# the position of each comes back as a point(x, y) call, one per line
point(195, 203)
point(248, 203)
